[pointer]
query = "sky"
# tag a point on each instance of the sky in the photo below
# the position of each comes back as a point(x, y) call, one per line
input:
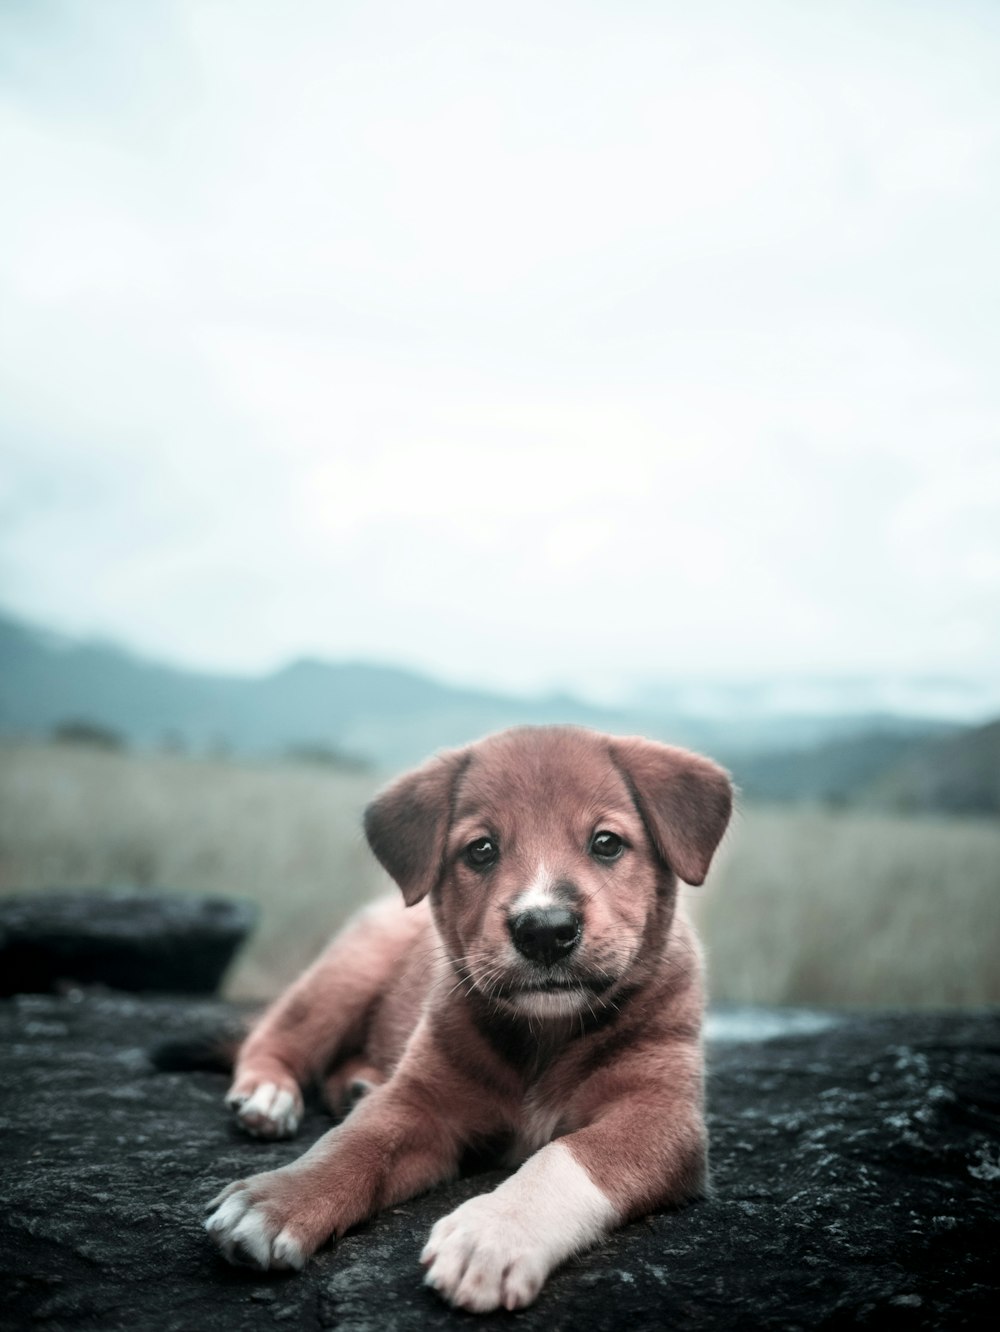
point(568, 345)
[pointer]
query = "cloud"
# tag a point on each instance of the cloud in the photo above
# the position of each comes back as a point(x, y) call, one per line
point(536, 345)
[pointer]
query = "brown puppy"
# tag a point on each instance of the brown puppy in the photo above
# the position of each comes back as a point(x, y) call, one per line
point(543, 991)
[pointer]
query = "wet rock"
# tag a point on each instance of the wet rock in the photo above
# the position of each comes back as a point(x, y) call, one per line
point(127, 940)
point(856, 1183)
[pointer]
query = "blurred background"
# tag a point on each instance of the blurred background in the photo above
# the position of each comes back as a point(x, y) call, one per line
point(375, 375)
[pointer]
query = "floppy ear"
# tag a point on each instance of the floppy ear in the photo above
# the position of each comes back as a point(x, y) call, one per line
point(407, 824)
point(685, 802)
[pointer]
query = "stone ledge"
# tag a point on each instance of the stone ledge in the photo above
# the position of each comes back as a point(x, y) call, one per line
point(856, 1182)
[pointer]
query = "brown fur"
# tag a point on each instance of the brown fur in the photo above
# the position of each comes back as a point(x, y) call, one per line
point(425, 1002)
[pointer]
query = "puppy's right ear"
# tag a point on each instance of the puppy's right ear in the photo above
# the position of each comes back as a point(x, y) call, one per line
point(407, 824)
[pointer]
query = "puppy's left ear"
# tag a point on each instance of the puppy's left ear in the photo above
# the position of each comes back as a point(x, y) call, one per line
point(685, 801)
point(407, 824)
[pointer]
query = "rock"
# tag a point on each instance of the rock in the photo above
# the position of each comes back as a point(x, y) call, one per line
point(856, 1169)
point(128, 940)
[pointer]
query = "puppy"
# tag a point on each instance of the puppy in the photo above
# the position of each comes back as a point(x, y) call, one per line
point(543, 992)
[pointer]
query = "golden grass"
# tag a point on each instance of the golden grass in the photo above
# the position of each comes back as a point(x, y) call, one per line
point(286, 835)
point(803, 905)
point(808, 905)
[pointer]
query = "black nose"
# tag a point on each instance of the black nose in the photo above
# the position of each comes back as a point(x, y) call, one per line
point(545, 934)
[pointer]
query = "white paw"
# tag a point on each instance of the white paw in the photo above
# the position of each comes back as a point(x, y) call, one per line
point(248, 1236)
point(269, 1111)
point(481, 1257)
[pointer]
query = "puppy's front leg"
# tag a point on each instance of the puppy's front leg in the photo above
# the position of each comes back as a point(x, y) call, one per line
point(294, 1041)
point(497, 1250)
point(399, 1141)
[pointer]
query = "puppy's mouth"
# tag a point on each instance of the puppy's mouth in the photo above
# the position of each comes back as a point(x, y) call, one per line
point(513, 989)
point(547, 987)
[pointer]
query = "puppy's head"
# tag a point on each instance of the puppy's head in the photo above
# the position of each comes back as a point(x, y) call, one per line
point(551, 855)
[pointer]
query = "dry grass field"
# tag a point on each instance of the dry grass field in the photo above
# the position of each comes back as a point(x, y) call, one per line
point(808, 905)
point(803, 906)
point(288, 836)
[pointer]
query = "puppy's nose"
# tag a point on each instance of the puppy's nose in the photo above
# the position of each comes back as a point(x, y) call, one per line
point(545, 934)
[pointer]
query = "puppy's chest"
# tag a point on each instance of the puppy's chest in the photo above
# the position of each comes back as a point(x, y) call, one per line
point(538, 1122)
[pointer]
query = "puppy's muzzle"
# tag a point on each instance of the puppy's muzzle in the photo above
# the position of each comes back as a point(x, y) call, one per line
point(545, 934)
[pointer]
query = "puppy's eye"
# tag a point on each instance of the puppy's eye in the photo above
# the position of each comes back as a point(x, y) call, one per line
point(606, 845)
point(481, 853)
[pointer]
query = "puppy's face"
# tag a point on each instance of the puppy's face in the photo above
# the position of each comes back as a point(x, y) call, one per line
point(550, 883)
point(551, 855)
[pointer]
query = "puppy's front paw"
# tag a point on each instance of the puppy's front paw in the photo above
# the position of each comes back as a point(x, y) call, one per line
point(266, 1108)
point(482, 1257)
point(251, 1223)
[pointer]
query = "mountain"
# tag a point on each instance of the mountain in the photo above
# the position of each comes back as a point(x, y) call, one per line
point(947, 770)
point(959, 774)
point(389, 715)
point(395, 717)
point(835, 772)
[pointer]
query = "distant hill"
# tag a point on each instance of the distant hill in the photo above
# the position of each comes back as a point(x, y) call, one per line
point(394, 717)
point(949, 770)
point(389, 715)
point(959, 774)
point(835, 772)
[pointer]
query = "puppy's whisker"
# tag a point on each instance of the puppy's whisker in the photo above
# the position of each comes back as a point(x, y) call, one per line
point(606, 880)
point(465, 978)
point(466, 985)
point(489, 979)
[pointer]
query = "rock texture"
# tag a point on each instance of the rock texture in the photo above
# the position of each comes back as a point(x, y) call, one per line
point(139, 941)
point(856, 1169)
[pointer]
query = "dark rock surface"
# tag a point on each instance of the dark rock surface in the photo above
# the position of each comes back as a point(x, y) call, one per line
point(856, 1167)
point(129, 940)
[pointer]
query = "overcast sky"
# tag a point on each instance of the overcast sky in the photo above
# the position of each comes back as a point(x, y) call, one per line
point(530, 343)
